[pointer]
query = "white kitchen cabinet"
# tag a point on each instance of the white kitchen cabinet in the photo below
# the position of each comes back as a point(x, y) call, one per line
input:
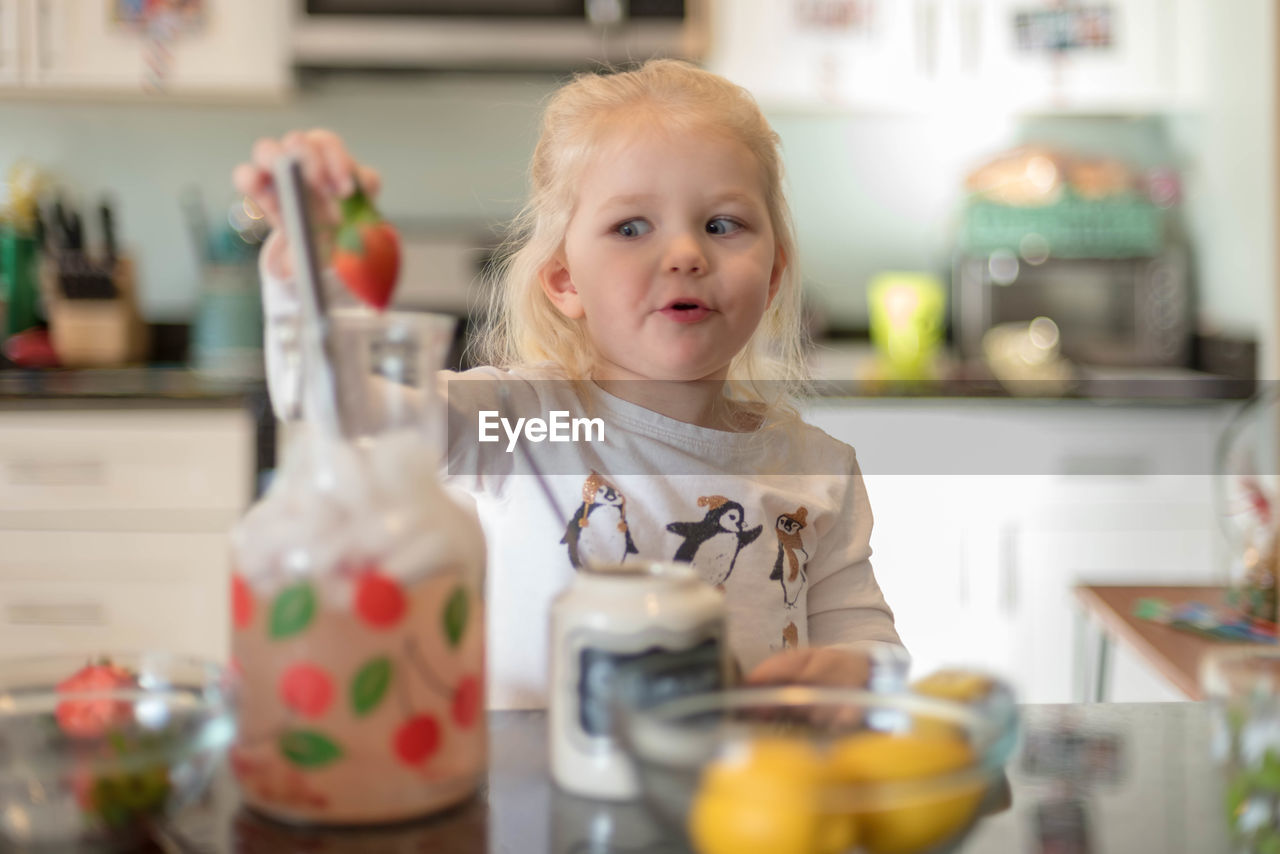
point(867, 55)
point(10, 43)
point(964, 56)
point(113, 528)
point(1112, 56)
point(236, 49)
point(988, 513)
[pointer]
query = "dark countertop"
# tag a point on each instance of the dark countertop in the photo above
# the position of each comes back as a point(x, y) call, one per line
point(851, 370)
point(1166, 797)
point(152, 386)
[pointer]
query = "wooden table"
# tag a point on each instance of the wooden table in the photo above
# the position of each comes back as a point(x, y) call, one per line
point(1174, 653)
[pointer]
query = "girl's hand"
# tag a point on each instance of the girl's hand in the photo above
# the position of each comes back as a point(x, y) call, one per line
point(328, 169)
point(820, 665)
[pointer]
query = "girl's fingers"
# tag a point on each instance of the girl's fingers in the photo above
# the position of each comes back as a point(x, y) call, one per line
point(264, 154)
point(256, 185)
point(780, 668)
point(328, 169)
point(370, 180)
point(338, 163)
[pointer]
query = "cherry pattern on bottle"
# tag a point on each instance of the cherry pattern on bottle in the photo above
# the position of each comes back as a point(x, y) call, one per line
point(242, 602)
point(379, 600)
point(417, 739)
point(307, 689)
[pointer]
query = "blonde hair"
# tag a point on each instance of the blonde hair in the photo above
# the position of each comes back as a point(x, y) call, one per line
point(523, 327)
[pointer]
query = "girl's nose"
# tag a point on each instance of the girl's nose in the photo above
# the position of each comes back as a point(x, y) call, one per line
point(685, 255)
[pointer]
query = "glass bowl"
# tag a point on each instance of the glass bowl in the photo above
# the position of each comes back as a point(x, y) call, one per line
point(93, 753)
point(817, 770)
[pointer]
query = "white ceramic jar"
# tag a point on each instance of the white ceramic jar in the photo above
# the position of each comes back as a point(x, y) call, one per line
point(636, 632)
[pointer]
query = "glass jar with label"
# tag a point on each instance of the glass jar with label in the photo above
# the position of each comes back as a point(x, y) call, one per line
point(633, 633)
point(357, 612)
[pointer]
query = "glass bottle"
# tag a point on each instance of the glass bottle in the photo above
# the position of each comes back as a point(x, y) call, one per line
point(357, 610)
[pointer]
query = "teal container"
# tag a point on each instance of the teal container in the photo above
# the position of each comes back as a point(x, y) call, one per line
point(227, 337)
point(1125, 226)
point(18, 279)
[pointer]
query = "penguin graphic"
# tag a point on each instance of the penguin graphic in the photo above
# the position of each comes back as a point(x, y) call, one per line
point(792, 557)
point(598, 531)
point(712, 545)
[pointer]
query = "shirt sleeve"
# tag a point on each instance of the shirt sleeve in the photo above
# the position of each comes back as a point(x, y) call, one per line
point(846, 607)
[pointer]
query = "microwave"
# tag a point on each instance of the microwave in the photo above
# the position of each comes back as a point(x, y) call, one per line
point(1122, 312)
point(514, 35)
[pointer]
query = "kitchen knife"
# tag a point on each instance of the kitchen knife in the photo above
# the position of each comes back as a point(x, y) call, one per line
point(75, 232)
point(108, 233)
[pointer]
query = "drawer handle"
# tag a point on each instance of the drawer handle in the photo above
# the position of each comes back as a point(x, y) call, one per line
point(57, 614)
point(56, 472)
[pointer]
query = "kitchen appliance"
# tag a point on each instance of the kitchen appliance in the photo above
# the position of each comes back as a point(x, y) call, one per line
point(549, 35)
point(1122, 312)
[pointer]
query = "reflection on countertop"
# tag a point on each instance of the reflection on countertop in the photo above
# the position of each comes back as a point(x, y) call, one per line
point(152, 385)
point(850, 369)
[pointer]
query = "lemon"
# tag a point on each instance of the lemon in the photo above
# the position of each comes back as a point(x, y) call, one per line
point(960, 685)
point(875, 757)
point(763, 800)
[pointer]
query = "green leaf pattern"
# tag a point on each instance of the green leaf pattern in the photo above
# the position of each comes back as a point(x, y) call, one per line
point(455, 615)
point(308, 748)
point(292, 610)
point(370, 685)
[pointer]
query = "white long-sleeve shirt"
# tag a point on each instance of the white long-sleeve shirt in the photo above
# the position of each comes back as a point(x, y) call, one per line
point(777, 517)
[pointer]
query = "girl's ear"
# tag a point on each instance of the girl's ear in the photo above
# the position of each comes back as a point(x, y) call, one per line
point(775, 275)
point(558, 286)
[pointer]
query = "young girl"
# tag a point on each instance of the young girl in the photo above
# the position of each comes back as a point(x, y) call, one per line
point(653, 283)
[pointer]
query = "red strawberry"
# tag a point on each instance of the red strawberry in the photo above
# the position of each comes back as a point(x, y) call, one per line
point(367, 254)
point(91, 717)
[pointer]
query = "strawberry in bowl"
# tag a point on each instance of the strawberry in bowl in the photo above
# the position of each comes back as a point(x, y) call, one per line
point(93, 705)
point(96, 755)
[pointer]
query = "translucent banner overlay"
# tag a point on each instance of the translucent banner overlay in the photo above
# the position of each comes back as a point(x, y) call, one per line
point(1115, 428)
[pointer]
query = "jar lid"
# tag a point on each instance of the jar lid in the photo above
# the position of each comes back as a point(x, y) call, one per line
point(642, 570)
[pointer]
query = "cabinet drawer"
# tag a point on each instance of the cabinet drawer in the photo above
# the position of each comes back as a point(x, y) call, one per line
point(139, 460)
point(86, 592)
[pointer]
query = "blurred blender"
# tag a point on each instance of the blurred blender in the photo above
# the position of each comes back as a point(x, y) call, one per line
point(906, 310)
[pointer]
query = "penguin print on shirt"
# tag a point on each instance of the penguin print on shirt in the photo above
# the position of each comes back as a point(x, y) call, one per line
point(712, 544)
point(598, 532)
point(792, 557)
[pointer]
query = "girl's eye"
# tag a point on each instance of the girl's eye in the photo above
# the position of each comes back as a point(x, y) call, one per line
point(632, 228)
point(723, 225)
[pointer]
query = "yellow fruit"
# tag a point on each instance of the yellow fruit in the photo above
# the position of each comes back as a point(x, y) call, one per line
point(836, 834)
point(959, 685)
point(926, 819)
point(762, 801)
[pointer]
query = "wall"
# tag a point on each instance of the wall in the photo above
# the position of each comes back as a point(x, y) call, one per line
point(1230, 148)
point(451, 148)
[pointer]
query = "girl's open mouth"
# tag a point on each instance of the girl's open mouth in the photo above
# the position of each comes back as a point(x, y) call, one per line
point(685, 311)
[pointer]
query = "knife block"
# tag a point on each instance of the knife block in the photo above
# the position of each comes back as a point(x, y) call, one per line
point(95, 333)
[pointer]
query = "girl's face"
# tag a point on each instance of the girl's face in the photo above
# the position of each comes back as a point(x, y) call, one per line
point(670, 258)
